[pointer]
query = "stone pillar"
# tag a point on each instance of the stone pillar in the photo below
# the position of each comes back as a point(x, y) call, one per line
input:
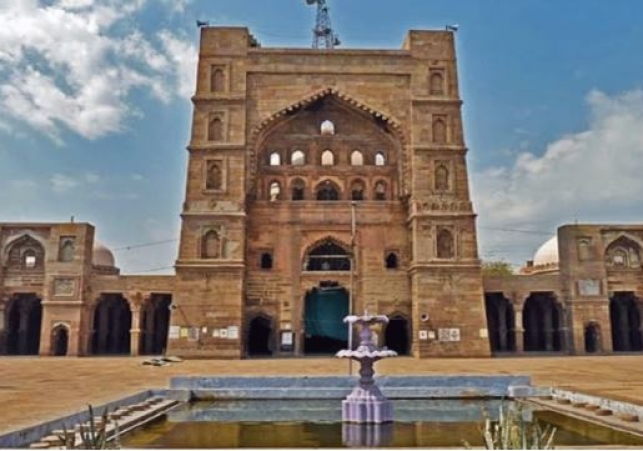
point(150, 328)
point(548, 326)
point(623, 326)
point(103, 328)
point(3, 333)
point(502, 326)
point(23, 328)
point(518, 301)
point(135, 332)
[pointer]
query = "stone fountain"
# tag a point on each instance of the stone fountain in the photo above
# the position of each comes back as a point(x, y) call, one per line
point(366, 404)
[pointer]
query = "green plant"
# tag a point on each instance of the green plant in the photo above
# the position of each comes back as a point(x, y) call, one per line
point(511, 431)
point(92, 436)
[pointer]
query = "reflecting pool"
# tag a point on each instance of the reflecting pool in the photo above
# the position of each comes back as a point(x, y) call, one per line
point(317, 424)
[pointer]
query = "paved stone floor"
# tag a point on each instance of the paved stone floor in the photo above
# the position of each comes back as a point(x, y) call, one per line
point(33, 390)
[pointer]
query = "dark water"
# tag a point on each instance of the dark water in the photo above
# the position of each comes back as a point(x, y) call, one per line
point(317, 424)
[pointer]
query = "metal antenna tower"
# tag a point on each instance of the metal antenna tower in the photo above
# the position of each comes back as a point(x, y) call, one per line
point(323, 34)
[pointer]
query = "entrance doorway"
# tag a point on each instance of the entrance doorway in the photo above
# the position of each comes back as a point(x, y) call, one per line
point(626, 322)
point(396, 335)
point(325, 310)
point(24, 320)
point(592, 338)
point(155, 324)
point(500, 322)
point(259, 334)
point(112, 324)
point(59, 341)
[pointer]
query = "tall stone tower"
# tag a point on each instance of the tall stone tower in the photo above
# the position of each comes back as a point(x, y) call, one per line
point(322, 182)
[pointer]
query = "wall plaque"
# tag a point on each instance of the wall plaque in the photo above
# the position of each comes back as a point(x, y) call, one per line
point(452, 334)
point(64, 287)
point(589, 287)
point(233, 332)
point(423, 335)
point(174, 332)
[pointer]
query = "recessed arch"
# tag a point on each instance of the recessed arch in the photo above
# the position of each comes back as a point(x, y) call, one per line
point(298, 158)
point(327, 128)
point(298, 189)
point(327, 158)
point(59, 340)
point(25, 253)
point(380, 159)
point(357, 158)
point(211, 244)
point(260, 334)
point(358, 188)
point(392, 133)
point(380, 190)
point(327, 254)
point(215, 129)
point(111, 325)
point(327, 190)
point(623, 253)
point(274, 191)
point(397, 334)
point(275, 159)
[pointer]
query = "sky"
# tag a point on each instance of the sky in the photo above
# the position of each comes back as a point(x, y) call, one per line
point(95, 109)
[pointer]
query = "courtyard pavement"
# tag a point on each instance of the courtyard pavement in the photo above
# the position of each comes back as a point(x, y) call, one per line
point(33, 390)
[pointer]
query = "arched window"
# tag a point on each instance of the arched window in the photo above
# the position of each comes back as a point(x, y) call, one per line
point(380, 159)
point(266, 260)
point(66, 251)
point(327, 158)
point(327, 191)
point(29, 259)
point(380, 191)
point(275, 159)
point(214, 176)
point(328, 256)
point(275, 191)
point(327, 128)
point(215, 130)
point(441, 178)
point(391, 261)
point(211, 245)
point(298, 190)
point(357, 158)
point(357, 190)
point(445, 244)
point(298, 158)
point(217, 80)
point(437, 85)
point(623, 253)
point(439, 131)
point(26, 253)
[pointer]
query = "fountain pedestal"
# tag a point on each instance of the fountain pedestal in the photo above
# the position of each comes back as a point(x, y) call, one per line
point(366, 403)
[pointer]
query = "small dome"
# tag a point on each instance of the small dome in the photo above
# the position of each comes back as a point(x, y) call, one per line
point(102, 256)
point(547, 254)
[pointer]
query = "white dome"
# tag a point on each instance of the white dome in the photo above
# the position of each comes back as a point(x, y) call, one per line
point(102, 256)
point(547, 254)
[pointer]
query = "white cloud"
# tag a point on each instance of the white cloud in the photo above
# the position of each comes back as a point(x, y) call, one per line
point(61, 183)
point(184, 55)
point(69, 66)
point(589, 176)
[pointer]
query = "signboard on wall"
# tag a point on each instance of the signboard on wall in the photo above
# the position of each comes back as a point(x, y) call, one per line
point(451, 334)
point(233, 332)
point(589, 287)
point(287, 340)
point(174, 332)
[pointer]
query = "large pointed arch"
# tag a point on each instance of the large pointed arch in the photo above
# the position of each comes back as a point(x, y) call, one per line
point(391, 127)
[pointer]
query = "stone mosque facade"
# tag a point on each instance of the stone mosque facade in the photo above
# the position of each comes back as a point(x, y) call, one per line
point(322, 182)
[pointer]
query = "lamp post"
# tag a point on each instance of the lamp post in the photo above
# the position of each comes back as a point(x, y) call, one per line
point(350, 292)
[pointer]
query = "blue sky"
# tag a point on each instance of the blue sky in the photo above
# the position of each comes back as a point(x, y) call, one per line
point(95, 111)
